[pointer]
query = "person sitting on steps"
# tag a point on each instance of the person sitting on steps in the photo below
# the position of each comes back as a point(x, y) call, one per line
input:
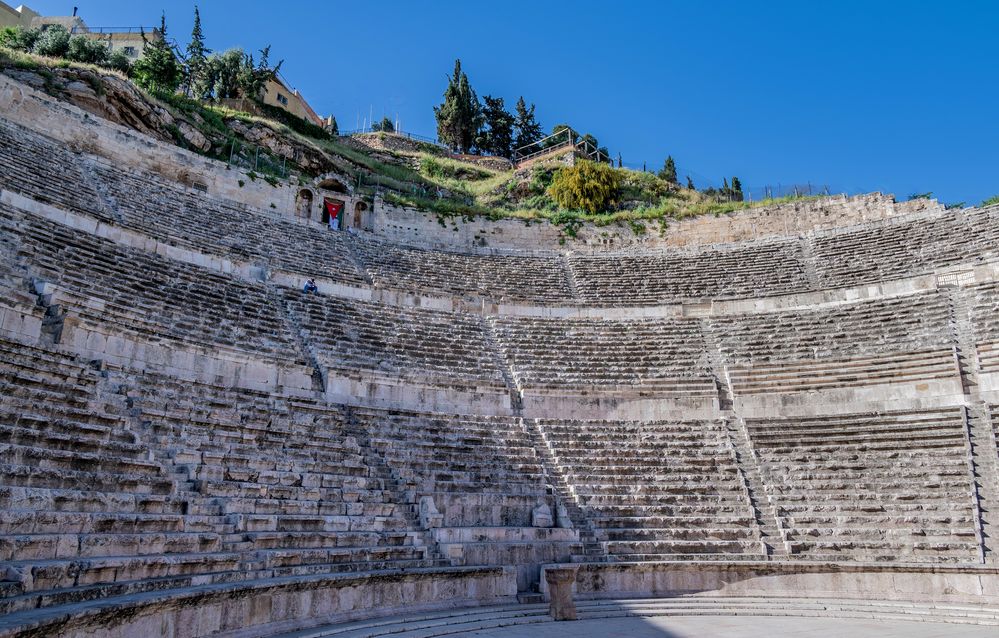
point(311, 287)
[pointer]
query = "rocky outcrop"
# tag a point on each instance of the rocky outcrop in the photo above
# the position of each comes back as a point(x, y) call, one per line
point(112, 97)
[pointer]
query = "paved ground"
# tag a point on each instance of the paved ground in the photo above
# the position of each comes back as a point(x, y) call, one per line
point(740, 626)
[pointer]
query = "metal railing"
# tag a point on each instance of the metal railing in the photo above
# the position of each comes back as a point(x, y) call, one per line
point(412, 136)
point(148, 31)
point(257, 159)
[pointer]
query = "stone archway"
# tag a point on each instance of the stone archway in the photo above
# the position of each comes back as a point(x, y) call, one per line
point(359, 209)
point(303, 203)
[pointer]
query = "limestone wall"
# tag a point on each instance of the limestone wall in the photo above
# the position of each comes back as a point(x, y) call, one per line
point(269, 607)
point(123, 146)
point(941, 583)
point(424, 229)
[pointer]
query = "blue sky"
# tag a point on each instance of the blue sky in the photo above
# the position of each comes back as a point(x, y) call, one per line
point(897, 96)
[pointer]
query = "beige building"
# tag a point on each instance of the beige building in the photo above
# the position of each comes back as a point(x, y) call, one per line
point(278, 93)
point(126, 39)
point(19, 17)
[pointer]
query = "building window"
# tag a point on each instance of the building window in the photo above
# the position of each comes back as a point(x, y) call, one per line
point(129, 51)
point(282, 99)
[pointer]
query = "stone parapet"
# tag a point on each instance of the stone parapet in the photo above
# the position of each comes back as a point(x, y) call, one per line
point(929, 583)
point(267, 607)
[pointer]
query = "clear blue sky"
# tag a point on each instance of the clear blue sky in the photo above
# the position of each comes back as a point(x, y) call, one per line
point(891, 95)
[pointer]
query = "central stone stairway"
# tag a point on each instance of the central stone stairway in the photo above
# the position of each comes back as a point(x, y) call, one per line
point(593, 549)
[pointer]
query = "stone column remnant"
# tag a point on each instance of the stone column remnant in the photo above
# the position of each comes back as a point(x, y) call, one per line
point(560, 580)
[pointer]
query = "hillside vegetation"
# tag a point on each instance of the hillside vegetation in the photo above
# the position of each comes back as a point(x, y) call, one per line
point(404, 171)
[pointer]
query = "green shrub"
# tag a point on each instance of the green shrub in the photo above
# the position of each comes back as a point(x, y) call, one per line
point(587, 186)
point(19, 38)
point(295, 123)
point(443, 169)
point(54, 42)
point(569, 221)
point(119, 62)
point(992, 201)
point(88, 51)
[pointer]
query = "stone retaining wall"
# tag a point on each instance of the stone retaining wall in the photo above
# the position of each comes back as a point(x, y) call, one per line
point(271, 606)
point(941, 583)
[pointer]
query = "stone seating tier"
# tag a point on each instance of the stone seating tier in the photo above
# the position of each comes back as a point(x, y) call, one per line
point(490, 459)
point(379, 339)
point(895, 250)
point(627, 279)
point(660, 356)
point(656, 490)
point(197, 483)
point(178, 216)
point(508, 278)
point(44, 170)
point(144, 294)
point(880, 487)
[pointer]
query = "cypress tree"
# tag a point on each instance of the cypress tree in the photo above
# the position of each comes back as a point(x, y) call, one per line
point(690, 183)
point(497, 137)
point(197, 59)
point(668, 171)
point(158, 69)
point(459, 116)
point(528, 129)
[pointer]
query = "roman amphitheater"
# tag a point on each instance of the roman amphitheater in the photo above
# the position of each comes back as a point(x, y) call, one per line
point(780, 418)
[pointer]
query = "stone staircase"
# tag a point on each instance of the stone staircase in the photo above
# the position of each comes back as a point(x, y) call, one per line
point(503, 364)
point(381, 470)
point(565, 496)
point(570, 276)
point(767, 522)
point(982, 449)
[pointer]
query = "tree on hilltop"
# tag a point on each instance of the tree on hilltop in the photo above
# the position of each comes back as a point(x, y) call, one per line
point(459, 115)
point(197, 57)
point(497, 136)
point(668, 171)
point(254, 78)
point(528, 129)
point(332, 126)
point(385, 125)
point(157, 69)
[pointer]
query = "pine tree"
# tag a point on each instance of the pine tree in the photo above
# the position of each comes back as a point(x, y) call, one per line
point(690, 183)
point(737, 189)
point(197, 59)
point(332, 126)
point(528, 129)
point(668, 171)
point(385, 126)
point(158, 69)
point(459, 116)
point(497, 137)
point(253, 78)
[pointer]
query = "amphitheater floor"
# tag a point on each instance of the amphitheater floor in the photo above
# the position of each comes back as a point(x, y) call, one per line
point(686, 618)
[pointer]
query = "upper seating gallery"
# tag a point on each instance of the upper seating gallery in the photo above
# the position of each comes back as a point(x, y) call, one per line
point(48, 171)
